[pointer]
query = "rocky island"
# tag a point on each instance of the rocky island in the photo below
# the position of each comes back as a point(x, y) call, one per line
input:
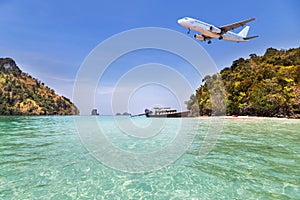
point(21, 94)
point(266, 86)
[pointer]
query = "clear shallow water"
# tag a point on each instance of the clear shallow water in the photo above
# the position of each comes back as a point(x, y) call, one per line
point(43, 158)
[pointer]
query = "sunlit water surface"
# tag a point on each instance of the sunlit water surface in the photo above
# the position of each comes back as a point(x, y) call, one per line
point(43, 158)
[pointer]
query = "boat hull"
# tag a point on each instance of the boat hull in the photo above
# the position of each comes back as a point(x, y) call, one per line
point(171, 115)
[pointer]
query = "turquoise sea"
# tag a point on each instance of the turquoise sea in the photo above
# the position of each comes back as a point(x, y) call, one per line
point(44, 158)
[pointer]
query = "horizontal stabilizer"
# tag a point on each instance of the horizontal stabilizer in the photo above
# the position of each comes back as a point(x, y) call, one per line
point(251, 37)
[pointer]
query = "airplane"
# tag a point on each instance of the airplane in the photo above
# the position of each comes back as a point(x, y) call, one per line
point(209, 31)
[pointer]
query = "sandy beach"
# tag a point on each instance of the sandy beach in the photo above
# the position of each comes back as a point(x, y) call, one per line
point(247, 118)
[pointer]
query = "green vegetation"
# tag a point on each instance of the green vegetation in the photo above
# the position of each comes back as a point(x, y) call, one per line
point(20, 94)
point(267, 85)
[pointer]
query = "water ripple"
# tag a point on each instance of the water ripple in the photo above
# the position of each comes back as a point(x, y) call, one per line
point(43, 158)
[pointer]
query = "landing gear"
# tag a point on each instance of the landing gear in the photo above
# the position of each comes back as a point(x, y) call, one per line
point(209, 42)
point(189, 30)
point(221, 37)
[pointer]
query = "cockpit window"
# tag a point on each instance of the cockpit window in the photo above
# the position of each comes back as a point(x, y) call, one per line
point(186, 18)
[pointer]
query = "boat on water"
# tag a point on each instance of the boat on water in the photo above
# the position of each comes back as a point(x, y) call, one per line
point(166, 112)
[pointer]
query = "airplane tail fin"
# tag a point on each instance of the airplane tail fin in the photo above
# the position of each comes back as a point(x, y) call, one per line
point(244, 32)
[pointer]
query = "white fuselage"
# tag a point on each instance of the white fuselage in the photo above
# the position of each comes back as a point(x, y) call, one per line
point(208, 30)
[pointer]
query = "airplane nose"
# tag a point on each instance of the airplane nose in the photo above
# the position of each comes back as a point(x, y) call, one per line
point(179, 21)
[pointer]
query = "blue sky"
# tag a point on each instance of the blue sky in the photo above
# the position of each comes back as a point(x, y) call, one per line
point(50, 39)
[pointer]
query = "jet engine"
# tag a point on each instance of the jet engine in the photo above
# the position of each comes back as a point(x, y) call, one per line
point(199, 37)
point(215, 29)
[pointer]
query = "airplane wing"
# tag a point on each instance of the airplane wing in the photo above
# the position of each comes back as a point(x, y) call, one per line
point(230, 27)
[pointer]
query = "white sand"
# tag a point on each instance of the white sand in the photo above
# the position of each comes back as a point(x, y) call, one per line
point(244, 117)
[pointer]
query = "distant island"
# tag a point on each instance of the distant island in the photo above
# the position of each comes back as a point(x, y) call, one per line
point(21, 94)
point(124, 114)
point(94, 112)
point(267, 85)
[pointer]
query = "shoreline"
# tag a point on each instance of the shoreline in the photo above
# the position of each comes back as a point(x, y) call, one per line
point(198, 117)
point(248, 118)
